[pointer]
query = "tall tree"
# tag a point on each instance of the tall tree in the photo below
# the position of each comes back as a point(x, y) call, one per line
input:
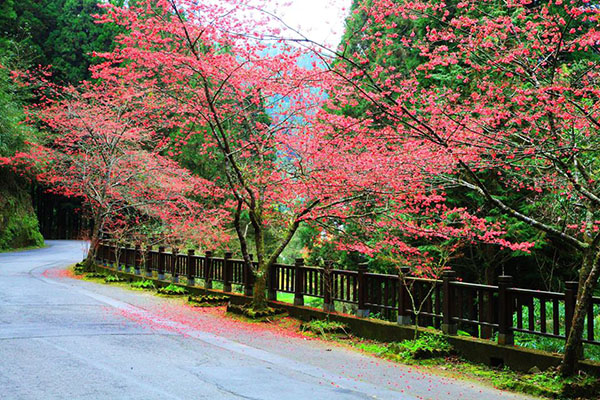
point(102, 145)
point(61, 33)
point(525, 111)
point(217, 84)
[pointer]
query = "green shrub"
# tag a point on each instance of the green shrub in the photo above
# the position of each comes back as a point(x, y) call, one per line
point(427, 345)
point(208, 300)
point(173, 290)
point(324, 327)
point(248, 311)
point(79, 269)
point(113, 279)
point(143, 284)
point(95, 275)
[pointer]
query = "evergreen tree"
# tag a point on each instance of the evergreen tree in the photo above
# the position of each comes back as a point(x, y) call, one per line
point(61, 33)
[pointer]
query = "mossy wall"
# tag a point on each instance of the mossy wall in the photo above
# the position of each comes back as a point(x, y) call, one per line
point(18, 222)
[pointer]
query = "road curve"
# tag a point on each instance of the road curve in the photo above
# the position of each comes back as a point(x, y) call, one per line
point(62, 338)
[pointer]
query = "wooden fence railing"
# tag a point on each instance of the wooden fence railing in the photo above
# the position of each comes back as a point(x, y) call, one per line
point(484, 311)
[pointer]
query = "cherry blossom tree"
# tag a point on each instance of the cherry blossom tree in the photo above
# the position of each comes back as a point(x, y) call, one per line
point(234, 82)
point(248, 99)
point(503, 97)
point(102, 145)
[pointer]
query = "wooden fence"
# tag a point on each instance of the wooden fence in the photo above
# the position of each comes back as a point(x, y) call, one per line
point(483, 311)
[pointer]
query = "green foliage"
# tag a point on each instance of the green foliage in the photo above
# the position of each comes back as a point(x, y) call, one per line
point(259, 315)
point(18, 222)
point(143, 284)
point(548, 383)
point(113, 279)
point(324, 327)
point(95, 275)
point(549, 344)
point(427, 345)
point(173, 290)
point(79, 269)
point(208, 300)
point(61, 33)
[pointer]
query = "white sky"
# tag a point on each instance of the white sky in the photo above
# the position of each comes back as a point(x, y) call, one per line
point(319, 20)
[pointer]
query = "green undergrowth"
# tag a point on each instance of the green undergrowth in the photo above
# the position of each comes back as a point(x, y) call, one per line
point(426, 346)
point(263, 315)
point(143, 284)
point(113, 279)
point(432, 351)
point(173, 290)
point(324, 328)
point(95, 275)
point(19, 228)
point(208, 300)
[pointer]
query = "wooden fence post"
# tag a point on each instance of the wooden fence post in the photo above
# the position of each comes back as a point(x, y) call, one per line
point(208, 270)
point(191, 261)
point(174, 261)
point(298, 282)
point(138, 259)
point(128, 253)
point(570, 299)
point(404, 317)
point(161, 262)
point(505, 311)
point(122, 264)
point(129, 260)
point(272, 283)
point(328, 305)
point(448, 325)
point(148, 266)
point(112, 253)
point(103, 254)
point(118, 257)
point(100, 254)
point(362, 311)
point(248, 290)
point(227, 271)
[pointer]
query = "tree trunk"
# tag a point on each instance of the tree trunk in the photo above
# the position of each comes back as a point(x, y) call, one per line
point(573, 347)
point(90, 260)
point(259, 297)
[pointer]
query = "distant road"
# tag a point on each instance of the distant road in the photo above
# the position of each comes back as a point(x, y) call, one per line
point(62, 338)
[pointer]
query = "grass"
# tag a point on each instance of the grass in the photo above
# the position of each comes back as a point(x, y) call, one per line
point(23, 249)
point(545, 384)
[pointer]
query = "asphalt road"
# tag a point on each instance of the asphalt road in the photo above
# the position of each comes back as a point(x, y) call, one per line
point(62, 338)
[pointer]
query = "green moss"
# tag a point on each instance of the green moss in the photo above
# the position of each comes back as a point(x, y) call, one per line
point(18, 222)
point(208, 300)
point(259, 315)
